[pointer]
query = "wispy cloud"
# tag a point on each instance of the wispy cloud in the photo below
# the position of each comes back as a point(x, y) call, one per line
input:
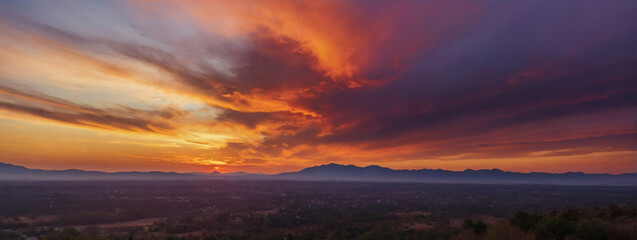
point(286, 84)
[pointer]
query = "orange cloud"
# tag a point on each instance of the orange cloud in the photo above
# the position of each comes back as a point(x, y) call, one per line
point(279, 85)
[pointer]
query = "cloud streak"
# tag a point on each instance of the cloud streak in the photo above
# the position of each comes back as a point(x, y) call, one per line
point(286, 84)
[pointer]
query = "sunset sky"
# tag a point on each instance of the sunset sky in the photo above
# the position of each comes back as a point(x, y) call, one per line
point(273, 86)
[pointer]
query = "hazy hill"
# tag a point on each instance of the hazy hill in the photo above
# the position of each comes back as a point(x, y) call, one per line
point(336, 172)
point(13, 172)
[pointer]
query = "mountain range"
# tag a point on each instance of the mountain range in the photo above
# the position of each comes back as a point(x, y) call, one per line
point(335, 172)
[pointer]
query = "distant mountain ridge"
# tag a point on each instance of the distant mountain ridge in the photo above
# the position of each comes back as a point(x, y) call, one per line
point(336, 172)
point(375, 173)
point(14, 172)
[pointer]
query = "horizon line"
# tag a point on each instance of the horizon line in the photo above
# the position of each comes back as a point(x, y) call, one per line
point(326, 164)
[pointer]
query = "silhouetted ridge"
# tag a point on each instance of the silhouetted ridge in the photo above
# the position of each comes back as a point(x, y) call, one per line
point(337, 172)
point(331, 172)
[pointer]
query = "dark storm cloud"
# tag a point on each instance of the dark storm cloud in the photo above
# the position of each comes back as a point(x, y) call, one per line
point(492, 73)
point(561, 61)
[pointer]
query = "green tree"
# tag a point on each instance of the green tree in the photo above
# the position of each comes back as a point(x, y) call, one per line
point(553, 227)
point(478, 227)
point(525, 221)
